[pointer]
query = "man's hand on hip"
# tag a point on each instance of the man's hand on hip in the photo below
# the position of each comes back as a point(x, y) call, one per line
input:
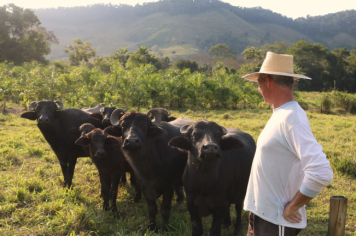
point(292, 215)
point(291, 212)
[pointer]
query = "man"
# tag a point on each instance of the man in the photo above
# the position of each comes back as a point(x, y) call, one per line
point(289, 167)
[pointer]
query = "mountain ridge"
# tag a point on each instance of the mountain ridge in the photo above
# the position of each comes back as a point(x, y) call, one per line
point(180, 29)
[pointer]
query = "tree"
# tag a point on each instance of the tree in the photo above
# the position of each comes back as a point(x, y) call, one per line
point(22, 39)
point(256, 54)
point(80, 51)
point(143, 57)
point(121, 55)
point(277, 47)
point(222, 51)
point(311, 59)
point(186, 63)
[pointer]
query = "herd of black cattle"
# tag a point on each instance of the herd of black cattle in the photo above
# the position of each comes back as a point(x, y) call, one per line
point(161, 153)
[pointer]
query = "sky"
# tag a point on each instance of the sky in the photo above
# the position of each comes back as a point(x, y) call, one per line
point(292, 9)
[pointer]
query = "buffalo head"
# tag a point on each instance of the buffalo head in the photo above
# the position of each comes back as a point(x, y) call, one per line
point(204, 140)
point(96, 141)
point(136, 129)
point(45, 112)
point(105, 114)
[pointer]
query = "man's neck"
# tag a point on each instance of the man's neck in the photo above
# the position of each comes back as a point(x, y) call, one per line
point(282, 97)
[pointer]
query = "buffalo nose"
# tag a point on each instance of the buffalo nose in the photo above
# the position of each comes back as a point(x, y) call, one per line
point(106, 120)
point(43, 120)
point(131, 141)
point(100, 153)
point(210, 148)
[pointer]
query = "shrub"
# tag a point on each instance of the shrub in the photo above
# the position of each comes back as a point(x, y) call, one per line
point(303, 104)
point(325, 104)
point(345, 165)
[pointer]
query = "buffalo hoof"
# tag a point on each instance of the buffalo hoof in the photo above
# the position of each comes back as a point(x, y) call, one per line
point(166, 228)
point(153, 228)
point(238, 232)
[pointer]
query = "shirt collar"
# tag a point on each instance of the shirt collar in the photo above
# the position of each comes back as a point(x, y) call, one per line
point(284, 105)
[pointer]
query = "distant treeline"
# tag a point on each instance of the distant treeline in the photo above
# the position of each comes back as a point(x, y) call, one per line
point(318, 26)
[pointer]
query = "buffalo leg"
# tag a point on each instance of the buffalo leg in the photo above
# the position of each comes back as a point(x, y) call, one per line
point(105, 189)
point(197, 226)
point(115, 179)
point(152, 212)
point(70, 170)
point(64, 172)
point(218, 217)
point(238, 208)
point(137, 187)
point(166, 207)
point(227, 219)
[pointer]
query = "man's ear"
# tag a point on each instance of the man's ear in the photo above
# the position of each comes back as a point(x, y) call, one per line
point(113, 130)
point(111, 141)
point(155, 131)
point(269, 80)
point(60, 114)
point(74, 131)
point(29, 115)
point(83, 141)
point(180, 143)
point(97, 116)
point(230, 142)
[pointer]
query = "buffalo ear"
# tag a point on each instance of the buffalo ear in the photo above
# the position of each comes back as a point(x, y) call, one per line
point(61, 114)
point(83, 141)
point(181, 143)
point(230, 142)
point(29, 115)
point(74, 131)
point(155, 131)
point(96, 116)
point(112, 141)
point(113, 131)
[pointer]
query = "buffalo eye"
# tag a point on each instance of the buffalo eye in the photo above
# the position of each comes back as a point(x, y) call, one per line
point(196, 135)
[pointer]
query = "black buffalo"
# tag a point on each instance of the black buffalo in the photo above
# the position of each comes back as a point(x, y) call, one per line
point(106, 154)
point(104, 115)
point(164, 115)
point(216, 174)
point(92, 110)
point(54, 124)
point(157, 166)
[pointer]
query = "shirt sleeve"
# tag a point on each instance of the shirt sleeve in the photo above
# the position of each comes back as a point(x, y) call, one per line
point(317, 170)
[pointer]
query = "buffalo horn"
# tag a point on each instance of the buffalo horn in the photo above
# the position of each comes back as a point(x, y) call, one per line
point(60, 105)
point(32, 106)
point(157, 116)
point(102, 110)
point(183, 130)
point(116, 115)
point(224, 130)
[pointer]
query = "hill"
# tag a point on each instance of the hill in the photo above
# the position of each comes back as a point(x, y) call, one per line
point(184, 28)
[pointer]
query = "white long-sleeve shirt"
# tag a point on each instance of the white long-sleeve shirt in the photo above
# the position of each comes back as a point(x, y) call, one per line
point(288, 158)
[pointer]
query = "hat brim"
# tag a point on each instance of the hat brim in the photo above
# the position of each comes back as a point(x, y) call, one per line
point(254, 76)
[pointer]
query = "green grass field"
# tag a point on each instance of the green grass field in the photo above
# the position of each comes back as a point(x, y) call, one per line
point(33, 202)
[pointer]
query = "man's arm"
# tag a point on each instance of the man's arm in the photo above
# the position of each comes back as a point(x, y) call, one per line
point(317, 171)
point(291, 212)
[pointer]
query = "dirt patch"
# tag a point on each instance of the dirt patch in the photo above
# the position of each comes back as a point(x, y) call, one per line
point(14, 109)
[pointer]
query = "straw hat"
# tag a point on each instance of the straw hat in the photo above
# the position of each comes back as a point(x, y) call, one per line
point(276, 64)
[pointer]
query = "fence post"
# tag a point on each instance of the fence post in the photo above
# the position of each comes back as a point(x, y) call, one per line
point(337, 216)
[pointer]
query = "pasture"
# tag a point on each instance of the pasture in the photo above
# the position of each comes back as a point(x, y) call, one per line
point(33, 201)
